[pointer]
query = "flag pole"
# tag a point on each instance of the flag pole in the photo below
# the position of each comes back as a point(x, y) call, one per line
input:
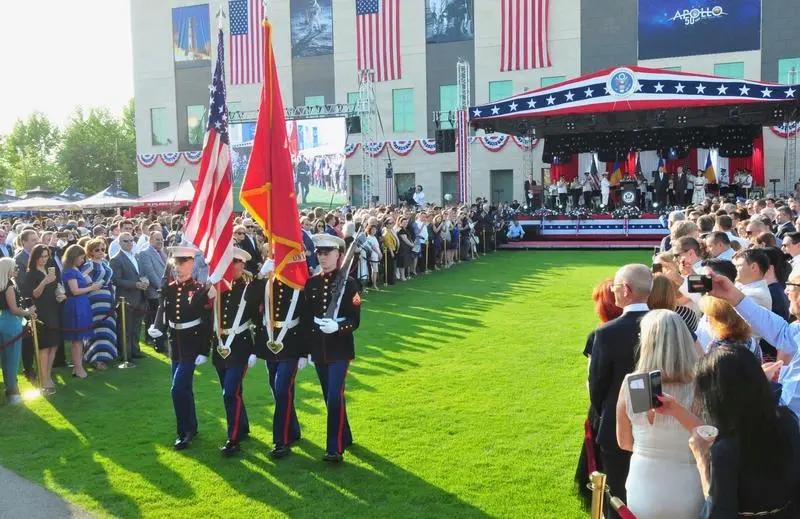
point(268, 84)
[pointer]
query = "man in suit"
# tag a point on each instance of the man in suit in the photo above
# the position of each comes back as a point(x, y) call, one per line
point(27, 240)
point(5, 250)
point(784, 220)
point(152, 262)
point(308, 245)
point(680, 184)
point(613, 357)
point(128, 281)
point(247, 243)
point(660, 186)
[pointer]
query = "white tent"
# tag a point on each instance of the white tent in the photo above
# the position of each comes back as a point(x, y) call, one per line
point(174, 195)
point(38, 204)
point(106, 199)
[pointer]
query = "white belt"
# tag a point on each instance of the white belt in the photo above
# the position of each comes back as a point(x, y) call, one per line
point(287, 324)
point(184, 326)
point(242, 328)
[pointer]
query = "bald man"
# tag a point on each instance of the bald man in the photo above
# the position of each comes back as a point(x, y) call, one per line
point(613, 357)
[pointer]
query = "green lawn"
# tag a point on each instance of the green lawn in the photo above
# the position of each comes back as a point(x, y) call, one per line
point(318, 197)
point(466, 400)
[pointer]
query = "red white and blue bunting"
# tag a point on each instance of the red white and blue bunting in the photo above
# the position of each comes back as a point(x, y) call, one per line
point(350, 149)
point(170, 159)
point(374, 149)
point(402, 148)
point(786, 130)
point(193, 157)
point(147, 160)
point(428, 146)
point(495, 142)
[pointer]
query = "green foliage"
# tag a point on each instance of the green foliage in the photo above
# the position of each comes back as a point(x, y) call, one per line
point(466, 400)
point(87, 153)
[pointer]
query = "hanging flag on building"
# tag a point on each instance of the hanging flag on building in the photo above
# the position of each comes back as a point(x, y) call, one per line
point(524, 42)
point(389, 185)
point(268, 186)
point(378, 38)
point(247, 41)
point(209, 225)
point(708, 171)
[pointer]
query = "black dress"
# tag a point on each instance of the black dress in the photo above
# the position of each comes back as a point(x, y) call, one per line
point(47, 310)
point(589, 458)
point(404, 257)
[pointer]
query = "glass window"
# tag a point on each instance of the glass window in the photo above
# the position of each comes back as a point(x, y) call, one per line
point(672, 69)
point(448, 102)
point(195, 123)
point(733, 70)
point(159, 126)
point(552, 80)
point(315, 101)
point(158, 186)
point(500, 90)
point(403, 109)
point(789, 71)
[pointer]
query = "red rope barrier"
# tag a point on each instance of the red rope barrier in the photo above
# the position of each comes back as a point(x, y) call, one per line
point(588, 441)
point(624, 513)
point(14, 339)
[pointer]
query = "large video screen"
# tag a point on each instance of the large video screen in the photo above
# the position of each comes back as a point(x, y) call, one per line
point(317, 147)
point(241, 140)
point(191, 33)
point(312, 28)
point(670, 28)
point(449, 20)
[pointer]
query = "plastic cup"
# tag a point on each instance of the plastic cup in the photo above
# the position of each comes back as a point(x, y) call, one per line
point(707, 432)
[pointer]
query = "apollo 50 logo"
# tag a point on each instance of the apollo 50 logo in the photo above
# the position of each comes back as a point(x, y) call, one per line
point(698, 14)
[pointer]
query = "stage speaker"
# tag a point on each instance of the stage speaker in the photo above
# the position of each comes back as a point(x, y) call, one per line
point(445, 141)
point(353, 124)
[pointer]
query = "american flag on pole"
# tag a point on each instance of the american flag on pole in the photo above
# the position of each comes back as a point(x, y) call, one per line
point(247, 41)
point(210, 223)
point(524, 36)
point(389, 185)
point(378, 37)
point(462, 142)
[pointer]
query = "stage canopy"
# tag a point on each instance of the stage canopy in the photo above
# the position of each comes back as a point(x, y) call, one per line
point(110, 197)
point(176, 195)
point(615, 111)
point(38, 204)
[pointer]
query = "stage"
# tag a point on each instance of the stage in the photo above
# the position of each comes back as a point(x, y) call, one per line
point(597, 228)
point(581, 245)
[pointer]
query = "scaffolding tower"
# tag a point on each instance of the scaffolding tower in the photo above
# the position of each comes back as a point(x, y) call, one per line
point(464, 78)
point(367, 111)
point(790, 153)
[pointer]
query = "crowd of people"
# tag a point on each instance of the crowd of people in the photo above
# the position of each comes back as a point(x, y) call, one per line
point(714, 319)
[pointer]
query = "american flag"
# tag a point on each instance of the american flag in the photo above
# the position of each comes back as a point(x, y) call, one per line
point(210, 223)
point(247, 41)
point(389, 185)
point(378, 37)
point(462, 128)
point(525, 32)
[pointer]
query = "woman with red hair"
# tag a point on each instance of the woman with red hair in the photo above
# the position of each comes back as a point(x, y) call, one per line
point(588, 462)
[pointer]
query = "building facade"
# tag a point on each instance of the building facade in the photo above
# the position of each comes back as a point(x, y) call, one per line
point(173, 60)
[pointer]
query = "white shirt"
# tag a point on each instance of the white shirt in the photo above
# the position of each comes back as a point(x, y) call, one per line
point(743, 242)
point(759, 292)
point(114, 248)
point(727, 254)
point(636, 307)
point(131, 257)
point(141, 244)
point(604, 185)
point(784, 336)
point(419, 197)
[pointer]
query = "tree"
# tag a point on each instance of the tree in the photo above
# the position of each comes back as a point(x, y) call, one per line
point(28, 154)
point(98, 146)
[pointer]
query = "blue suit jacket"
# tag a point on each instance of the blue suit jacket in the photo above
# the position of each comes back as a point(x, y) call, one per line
point(308, 244)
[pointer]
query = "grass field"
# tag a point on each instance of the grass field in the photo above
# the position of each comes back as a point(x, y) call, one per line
point(318, 197)
point(466, 400)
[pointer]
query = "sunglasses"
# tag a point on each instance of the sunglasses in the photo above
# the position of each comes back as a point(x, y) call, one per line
point(99, 250)
point(126, 241)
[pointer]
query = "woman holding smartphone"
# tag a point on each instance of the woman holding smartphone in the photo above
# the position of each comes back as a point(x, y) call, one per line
point(77, 316)
point(42, 285)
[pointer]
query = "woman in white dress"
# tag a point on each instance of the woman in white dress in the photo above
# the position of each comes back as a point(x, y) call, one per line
point(699, 193)
point(663, 481)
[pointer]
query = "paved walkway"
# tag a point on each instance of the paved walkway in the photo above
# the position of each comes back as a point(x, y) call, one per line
point(21, 499)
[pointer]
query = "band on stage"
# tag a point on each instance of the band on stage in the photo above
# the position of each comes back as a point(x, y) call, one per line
point(661, 189)
point(262, 317)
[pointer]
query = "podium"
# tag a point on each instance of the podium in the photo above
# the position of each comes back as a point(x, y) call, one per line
point(628, 194)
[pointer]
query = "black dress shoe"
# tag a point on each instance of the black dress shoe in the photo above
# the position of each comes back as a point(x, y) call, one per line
point(333, 457)
point(182, 442)
point(230, 448)
point(280, 451)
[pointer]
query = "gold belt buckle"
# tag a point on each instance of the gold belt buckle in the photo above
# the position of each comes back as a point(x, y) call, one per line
point(275, 347)
point(223, 352)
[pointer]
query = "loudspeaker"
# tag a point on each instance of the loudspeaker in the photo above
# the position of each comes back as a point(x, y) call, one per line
point(353, 124)
point(445, 141)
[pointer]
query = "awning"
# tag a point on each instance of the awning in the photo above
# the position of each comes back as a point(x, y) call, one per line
point(174, 195)
point(110, 197)
point(37, 204)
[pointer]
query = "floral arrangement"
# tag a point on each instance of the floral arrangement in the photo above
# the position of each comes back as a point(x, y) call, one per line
point(624, 213)
point(545, 213)
point(580, 213)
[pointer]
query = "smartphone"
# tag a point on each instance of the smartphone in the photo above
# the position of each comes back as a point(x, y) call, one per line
point(639, 390)
point(658, 268)
point(698, 284)
point(655, 388)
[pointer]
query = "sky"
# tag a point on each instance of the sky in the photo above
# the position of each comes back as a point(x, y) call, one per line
point(60, 54)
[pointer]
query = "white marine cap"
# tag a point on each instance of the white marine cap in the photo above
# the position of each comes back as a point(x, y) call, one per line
point(181, 251)
point(325, 241)
point(241, 255)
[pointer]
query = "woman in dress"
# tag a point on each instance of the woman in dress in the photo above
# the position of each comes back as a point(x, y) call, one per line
point(42, 284)
point(77, 315)
point(699, 193)
point(374, 255)
point(404, 252)
point(103, 346)
point(11, 318)
point(663, 482)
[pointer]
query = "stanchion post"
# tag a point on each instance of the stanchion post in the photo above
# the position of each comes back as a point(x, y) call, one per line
point(483, 233)
point(35, 333)
point(386, 266)
point(123, 313)
point(427, 265)
point(598, 487)
point(444, 253)
point(458, 249)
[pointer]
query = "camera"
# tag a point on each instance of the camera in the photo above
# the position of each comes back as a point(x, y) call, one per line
point(644, 389)
point(698, 284)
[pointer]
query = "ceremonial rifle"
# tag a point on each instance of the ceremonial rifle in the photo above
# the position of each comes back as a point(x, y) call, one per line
point(340, 281)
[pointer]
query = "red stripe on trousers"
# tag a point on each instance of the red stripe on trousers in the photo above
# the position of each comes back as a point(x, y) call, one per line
point(341, 411)
point(238, 414)
point(290, 399)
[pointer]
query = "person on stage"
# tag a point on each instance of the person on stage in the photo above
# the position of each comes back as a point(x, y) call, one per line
point(185, 317)
point(232, 349)
point(331, 338)
point(605, 189)
point(282, 342)
point(699, 189)
point(680, 184)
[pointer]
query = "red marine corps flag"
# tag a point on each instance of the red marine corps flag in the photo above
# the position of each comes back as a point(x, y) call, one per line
point(268, 185)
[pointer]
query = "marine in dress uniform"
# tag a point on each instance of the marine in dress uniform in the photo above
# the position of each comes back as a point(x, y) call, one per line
point(232, 353)
point(282, 343)
point(185, 317)
point(332, 345)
